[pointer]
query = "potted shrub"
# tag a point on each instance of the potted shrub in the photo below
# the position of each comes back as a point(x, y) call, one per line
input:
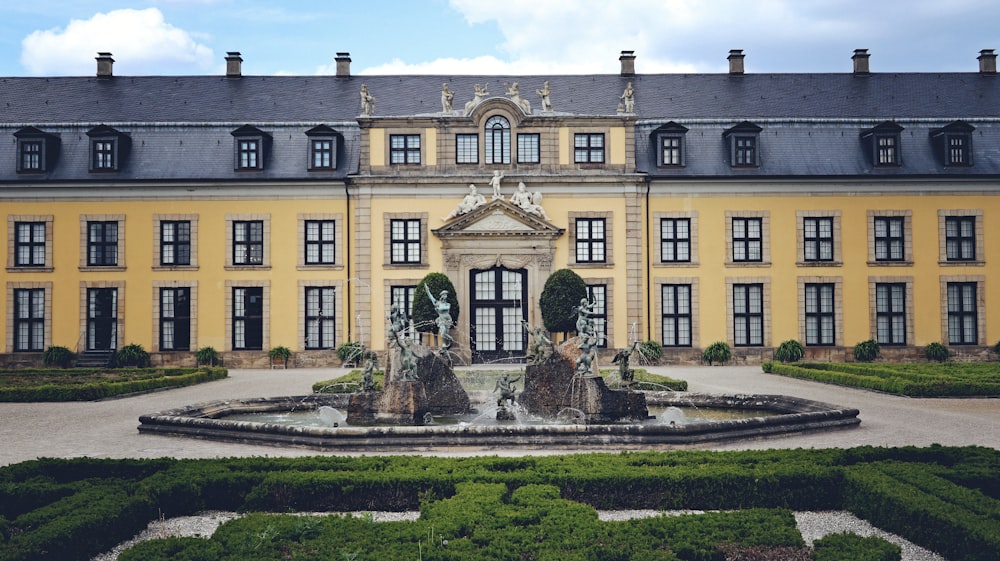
point(350, 352)
point(867, 351)
point(651, 351)
point(131, 355)
point(790, 351)
point(279, 356)
point(57, 356)
point(937, 352)
point(206, 355)
point(717, 352)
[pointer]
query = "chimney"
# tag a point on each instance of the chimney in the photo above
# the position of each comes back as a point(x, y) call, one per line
point(628, 63)
point(343, 64)
point(104, 64)
point(987, 61)
point(233, 64)
point(860, 59)
point(735, 61)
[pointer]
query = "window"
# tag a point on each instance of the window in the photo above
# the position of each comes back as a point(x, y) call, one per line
point(30, 156)
point(890, 313)
point(953, 144)
point(497, 135)
point(320, 242)
point(248, 318)
point(886, 150)
point(29, 319)
point(676, 305)
point(29, 244)
point(248, 154)
point(748, 315)
point(588, 148)
point(405, 240)
point(958, 150)
point(747, 239)
point(320, 317)
point(963, 317)
point(590, 240)
point(404, 149)
point(175, 318)
point(251, 145)
point(102, 243)
point(675, 240)
point(36, 150)
point(817, 236)
point(746, 151)
point(175, 242)
point(820, 314)
point(528, 148)
point(597, 294)
point(402, 297)
point(889, 240)
point(742, 141)
point(322, 153)
point(881, 144)
point(108, 148)
point(104, 155)
point(670, 150)
point(960, 238)
point(248, 242)
point(466, 148)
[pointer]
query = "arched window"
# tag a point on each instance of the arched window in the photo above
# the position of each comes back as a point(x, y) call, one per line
point(497, 140)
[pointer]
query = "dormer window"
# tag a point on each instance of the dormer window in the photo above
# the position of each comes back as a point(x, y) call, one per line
point(36, 150)
point(744, 145)
point(251, 145)
point(109, 149)
point(882, 144)
point(953, 144)
point(669, 142)
point(322, 148)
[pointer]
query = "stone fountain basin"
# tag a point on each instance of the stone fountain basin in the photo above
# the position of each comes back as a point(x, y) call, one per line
point(208, 421)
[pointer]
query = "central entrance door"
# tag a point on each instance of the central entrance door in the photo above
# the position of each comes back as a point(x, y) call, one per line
point(498, 298)
point(102, 319)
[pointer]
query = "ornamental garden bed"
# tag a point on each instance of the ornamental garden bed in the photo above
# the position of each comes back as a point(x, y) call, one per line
point(82, 384)
point(913, 380)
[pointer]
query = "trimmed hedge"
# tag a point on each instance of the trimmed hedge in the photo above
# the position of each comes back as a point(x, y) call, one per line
point(914, 380)
point(852, 547)
point(87, 385)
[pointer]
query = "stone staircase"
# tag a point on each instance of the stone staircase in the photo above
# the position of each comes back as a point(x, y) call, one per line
point(94, 359)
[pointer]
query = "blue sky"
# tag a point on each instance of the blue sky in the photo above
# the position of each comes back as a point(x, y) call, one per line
point(61, 37)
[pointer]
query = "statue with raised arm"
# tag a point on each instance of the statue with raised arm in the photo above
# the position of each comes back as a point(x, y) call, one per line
point(367, 101)
point(397, 324)
point(368, 375)
point(545, 93)
point(540, 345)
point(587, 336)
point(505, 384)
point(443, 321)
point(495, 184)
point(626, 374)
point(471, 202)
point(447, 96)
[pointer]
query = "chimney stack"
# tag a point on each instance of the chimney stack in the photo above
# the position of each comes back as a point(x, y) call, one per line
point(987, 61)
point(628, 63)
point(104, 64)
point(234, 64)
point(343, 64)
point(735, 61)
point(860, 59)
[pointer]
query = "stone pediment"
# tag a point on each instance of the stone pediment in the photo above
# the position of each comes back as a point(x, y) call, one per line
point(498, 219)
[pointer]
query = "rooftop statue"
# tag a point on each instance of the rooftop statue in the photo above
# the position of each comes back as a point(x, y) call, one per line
point(447, 96)
point(628, 98)
point(471, 202)
point(477, 97)
point(529, 202)
point(495, 184)
point(545, 94)
point(367, 101)
point(513, 91)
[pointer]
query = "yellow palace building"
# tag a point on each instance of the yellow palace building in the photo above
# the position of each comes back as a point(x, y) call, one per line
point(247, 212)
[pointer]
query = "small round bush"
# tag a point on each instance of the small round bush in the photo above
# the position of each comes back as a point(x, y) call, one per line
point(57, 356)
point(652, 351)
point(132, 355)
point(350, 351)
point(867, 351)
point(790, 351)
point(207, 355)
point(936, 351)
point(767, 366)
point(717, 352)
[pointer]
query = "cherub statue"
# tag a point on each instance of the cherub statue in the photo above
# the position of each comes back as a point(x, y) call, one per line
point(495, 184)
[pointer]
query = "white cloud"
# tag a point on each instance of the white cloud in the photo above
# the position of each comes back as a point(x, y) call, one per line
point(140, 41)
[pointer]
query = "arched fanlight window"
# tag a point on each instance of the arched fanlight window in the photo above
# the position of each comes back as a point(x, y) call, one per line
point(497, 135)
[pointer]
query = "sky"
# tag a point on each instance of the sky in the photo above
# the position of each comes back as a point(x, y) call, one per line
point(494, 37)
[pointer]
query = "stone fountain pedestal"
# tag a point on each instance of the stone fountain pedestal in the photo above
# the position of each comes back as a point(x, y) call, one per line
point(404, 402)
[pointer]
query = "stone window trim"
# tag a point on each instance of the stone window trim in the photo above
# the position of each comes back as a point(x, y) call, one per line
point(193, 329)
point(11, 287)
point(157, 232)
point(266, 313)
point(765, 307)
point(693, 218)
point(85, 219)
point(338, 240)
point(119, 311)
point(872, 311)
point(405, 133)
point(943, 215)
point(266, 260)
point(765, 243)
point(609, 305)
point(838, 303)
point(609, 261)
point(800, 216)
point(338, 312)
point(980, 281)
point(388, 217)
point(659, 282)
point(12, 220)
point(907, 216)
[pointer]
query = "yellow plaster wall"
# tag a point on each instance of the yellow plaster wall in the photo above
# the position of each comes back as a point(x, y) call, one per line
point(616, 146)
point(376, 147)
point(431, 146)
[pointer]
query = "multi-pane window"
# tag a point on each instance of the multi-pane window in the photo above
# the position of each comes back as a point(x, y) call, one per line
point(402, 297)
point(29, 319)
point(497, 140)
point(102, 243)
point(960, 238)
point(886, 150)
point(248, 242)
point(528, 148)
point(820, 314)
point(748, 315)
point(670, 150)
point(320, 242)
point(588, 148)
point(467, 148)
point(248, 153)
point(320, 316)
point(248, 318)
point(404, 149)
point(102, 154)
point(31, 156)
point(675, 240)
point(889, 240)
point(963, 318)
point(597, 294)
point(676, 314)
point(29, 244)
point(748, 240)
point(175, 319)
point(890, 313)
point(745, 151)
point(321, 153)
point(817, 237)
point(957, 150)
point(591, 240)
point(404, 241)
point(175, 242)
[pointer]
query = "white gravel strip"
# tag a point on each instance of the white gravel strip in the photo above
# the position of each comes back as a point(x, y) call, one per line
point(812, 526)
